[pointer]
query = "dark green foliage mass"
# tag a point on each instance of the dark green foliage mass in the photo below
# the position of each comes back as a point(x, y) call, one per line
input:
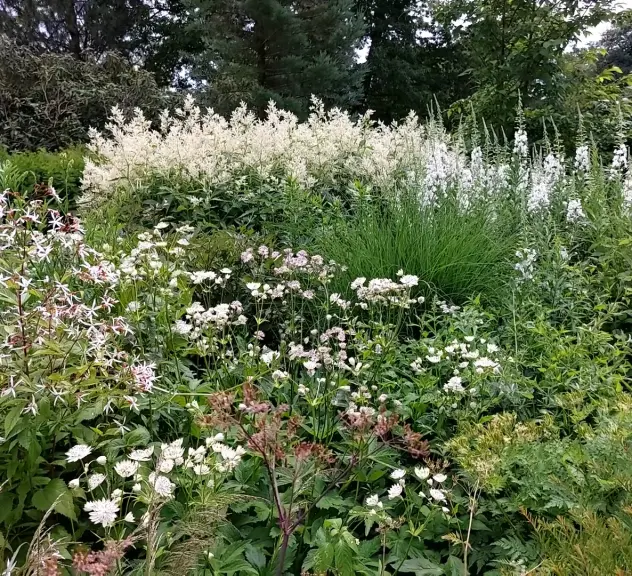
point(262, 50)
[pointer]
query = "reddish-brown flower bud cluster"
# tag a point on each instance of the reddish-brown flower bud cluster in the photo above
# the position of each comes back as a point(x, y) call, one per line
point(102, 562)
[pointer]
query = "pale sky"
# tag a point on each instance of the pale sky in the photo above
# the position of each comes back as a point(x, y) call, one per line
point(591, 36)
point(595, 33)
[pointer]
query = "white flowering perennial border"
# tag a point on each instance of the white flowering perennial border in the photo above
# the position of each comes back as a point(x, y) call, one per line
point(330, 147)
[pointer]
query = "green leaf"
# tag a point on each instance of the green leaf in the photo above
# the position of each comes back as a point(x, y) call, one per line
point(333, 501)
point(255, 556)
point(137, 437)
point(454, 566)
point(6, 505)
point(56, 492)
point(421, 567)
point(12, 419)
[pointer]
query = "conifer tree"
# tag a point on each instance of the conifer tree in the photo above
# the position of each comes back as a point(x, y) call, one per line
point(280, 50)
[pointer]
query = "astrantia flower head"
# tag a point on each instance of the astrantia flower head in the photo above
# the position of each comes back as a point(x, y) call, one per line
point(165, 465)
point(439, 478)
point(373, 501)
point(409, 280)
point(102, 511)
point(126, 468)
point(95, 480)
point(78, 452)
point(161, 485)
point(422, 473)
point(438, 495)
point(395, 491)
point(142, 455)
point(201, 469)
point(174, 450)
point(398, 474)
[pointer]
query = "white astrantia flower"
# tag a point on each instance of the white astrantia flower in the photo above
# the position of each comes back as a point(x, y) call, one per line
point(165, 466)
point(126, 468)
point(395, 491)
point(454, 385)
point(201, 469)
point(78, 452)
point(161, 485)
point(102, 511)
point(373, 501)
point(174, 450)
point(129, 517)
point(409, 280)
point(422, 473)
point(74, 483)
point(142, 455)
point(398, 474)
point(438, 495)
point(102, 460)
point(136, 488)
point(95, 480)
point(439, 478)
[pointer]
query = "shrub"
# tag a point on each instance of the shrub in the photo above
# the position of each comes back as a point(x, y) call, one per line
point(50, 100)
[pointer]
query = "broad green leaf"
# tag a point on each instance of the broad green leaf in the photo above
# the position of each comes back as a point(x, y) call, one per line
point(43, 499)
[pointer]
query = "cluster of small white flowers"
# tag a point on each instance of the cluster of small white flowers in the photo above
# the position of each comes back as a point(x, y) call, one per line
point(620, 159)
point(217, 278)
point(582, 158)
point(521, 143)
point(574, 211)
point(202, 324)
point(460, 356)
point(230, 457)
point(544, 179)
point(526, 266)
point(384, 290)
point(329, 146)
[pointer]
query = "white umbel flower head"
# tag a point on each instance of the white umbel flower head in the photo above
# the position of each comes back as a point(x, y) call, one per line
point(161, 485)
point(395, 491)
point(102, 511)
point(142, 455)
point(78, 452)
point(126, 468)
point(398, 474)
point(422, 473)
point(95, 480)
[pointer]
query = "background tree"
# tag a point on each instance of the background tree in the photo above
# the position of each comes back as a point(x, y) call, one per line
point(618, 43)
point(411, 59)
point(516, 48)
point(149, 33)
point(281, 50)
